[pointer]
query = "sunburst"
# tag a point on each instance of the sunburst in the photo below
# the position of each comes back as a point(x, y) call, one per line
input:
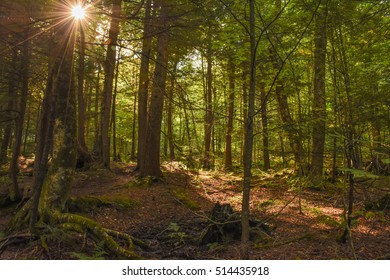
point(78, 12)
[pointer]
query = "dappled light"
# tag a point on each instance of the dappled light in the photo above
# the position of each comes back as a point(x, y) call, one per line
point(194, 129)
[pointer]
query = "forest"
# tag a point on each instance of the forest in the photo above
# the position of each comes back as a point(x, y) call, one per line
point(188, 129)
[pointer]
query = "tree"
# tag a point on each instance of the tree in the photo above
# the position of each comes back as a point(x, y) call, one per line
point(150, 159)
point(319, 98)
point(109, 67)
point(143, 84)
point(229, 131)
point(249, 134)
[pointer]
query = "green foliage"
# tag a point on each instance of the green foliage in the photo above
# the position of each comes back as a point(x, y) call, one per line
point(176, 233)
point(97, 254)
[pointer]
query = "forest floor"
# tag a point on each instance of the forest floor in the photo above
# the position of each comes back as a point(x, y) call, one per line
point(170, 216)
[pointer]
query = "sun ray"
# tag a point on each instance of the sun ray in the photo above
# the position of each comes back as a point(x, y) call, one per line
point(78, 12)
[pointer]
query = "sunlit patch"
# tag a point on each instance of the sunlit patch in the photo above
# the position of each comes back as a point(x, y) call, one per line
point(78, 12)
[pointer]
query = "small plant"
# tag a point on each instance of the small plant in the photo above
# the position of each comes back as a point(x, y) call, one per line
point(176, 233)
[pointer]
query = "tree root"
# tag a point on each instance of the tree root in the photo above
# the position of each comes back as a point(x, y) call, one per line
point(16, 239)
point(97, 232)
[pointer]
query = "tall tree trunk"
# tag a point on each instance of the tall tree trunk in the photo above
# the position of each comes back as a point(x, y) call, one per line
point(12, 89)
point(108, 80)
point(24, 70)
point(151, 158)
point(209, 105)
point(57, 131)
point(349, 143)
point(133, 130)
point(57, 184)
point(264, 122)
point(116, 155)
point(143, 85)
point(80, 92)
point(319, 98)
point(97, 140)
point(249, 136)
point(228, 147)
point(171, 138)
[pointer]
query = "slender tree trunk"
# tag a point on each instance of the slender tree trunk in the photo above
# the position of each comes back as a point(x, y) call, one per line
point(171, 137)
point(151, 159)
point(80, 93)
point(108, 80)
point(228, 147)
point(143, 85)
point(249, 136)
point(97, 140)
point(264, 122)
point(319, 98)
point(26, 132)
point(113, 112)
point(133, 131)
point(209, 106)
point(350, 149)
point(24, 70)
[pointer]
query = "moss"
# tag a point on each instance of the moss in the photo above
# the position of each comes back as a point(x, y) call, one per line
point(184, 197)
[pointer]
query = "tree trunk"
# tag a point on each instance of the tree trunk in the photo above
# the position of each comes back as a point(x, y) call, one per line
point(12, 88)
point(80, 92)
point(171, 138)
point(143, 85)
point(319, 98)
point(248, 146)
point(57, 131)
point(151, 159)
point(24, 70)
point(116, 155)
point(228, 147)
point(108, 81)
point(97, 140)
point(264, 122)
point(209, 106)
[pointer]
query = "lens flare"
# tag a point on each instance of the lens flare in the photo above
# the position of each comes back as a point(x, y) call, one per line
point(78, 12)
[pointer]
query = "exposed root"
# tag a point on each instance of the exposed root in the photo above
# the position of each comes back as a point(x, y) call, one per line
point(16, 239)
point(97, 232)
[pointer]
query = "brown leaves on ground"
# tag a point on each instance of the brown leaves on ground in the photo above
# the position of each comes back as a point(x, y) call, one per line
point(171, 215)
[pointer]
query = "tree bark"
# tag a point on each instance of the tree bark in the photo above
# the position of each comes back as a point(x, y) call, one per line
point(57, 130)
point(264, 122)
point(209, 105)
point(228, 147)
point(108, 81)
point(80, 92)
point(319, 98)
point(171, 137)
point(151, 159)
point(143, 85)
point(248, 146)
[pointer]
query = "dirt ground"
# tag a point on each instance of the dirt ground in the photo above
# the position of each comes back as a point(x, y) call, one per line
point(170, 217)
